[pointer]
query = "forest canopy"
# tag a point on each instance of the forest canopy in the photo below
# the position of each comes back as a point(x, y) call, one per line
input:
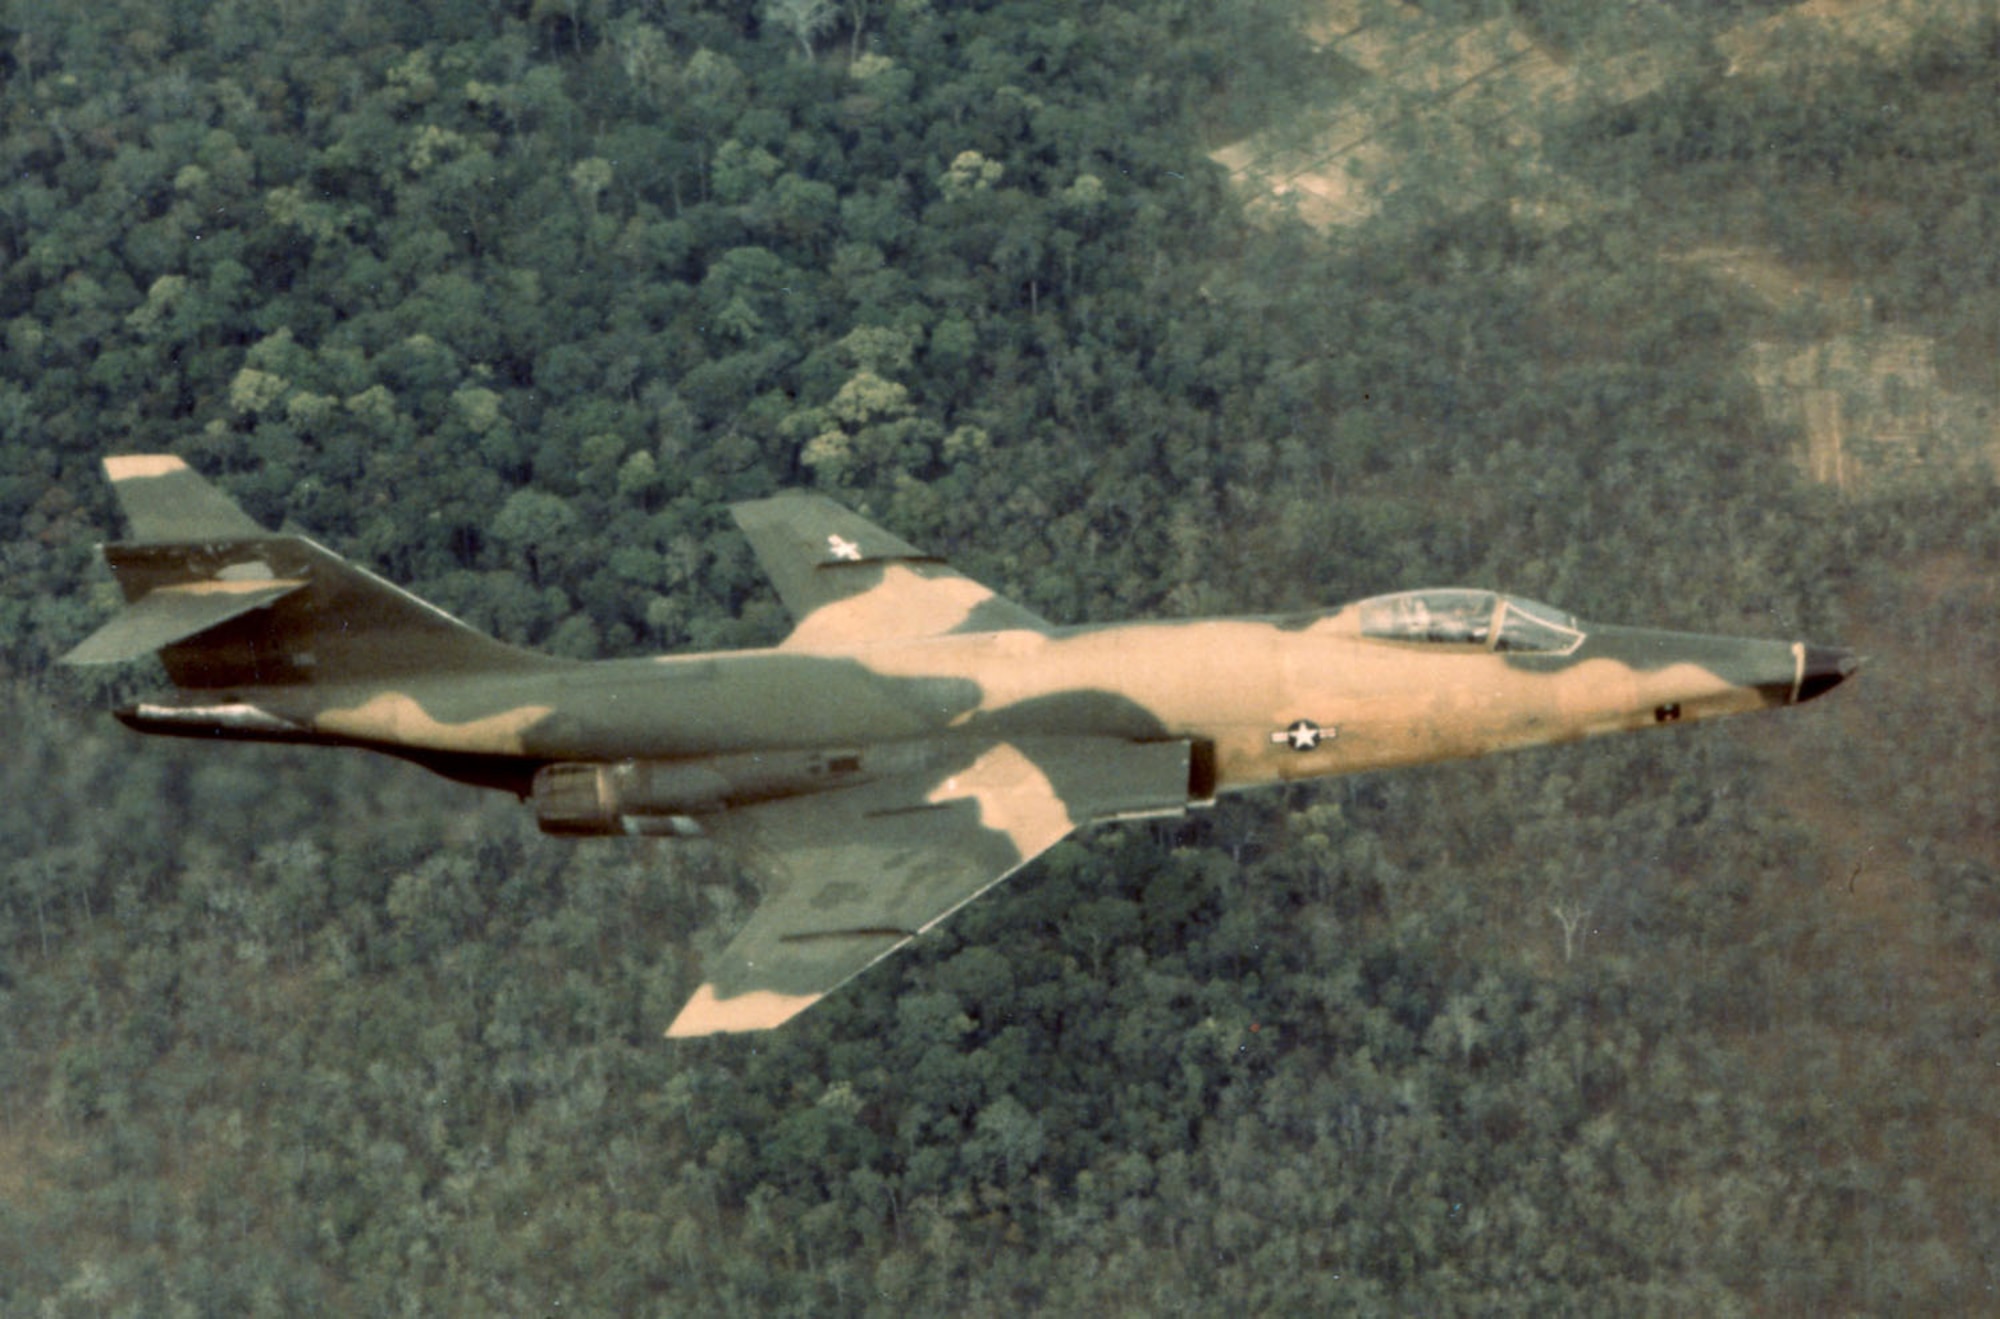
point(508, 302)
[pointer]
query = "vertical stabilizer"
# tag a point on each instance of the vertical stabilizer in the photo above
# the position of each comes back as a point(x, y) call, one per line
point(165, 503)
point(228, 604)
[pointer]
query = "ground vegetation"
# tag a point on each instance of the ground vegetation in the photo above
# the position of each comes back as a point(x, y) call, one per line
point(509, 301)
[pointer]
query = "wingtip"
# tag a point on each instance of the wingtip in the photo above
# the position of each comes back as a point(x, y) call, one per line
point(130, 466)
point(760, 1009)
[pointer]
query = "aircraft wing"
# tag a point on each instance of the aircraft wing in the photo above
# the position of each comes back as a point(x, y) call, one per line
point(845, 580)
point(852, 875)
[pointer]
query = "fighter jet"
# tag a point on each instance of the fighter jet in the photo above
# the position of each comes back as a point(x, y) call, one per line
point(912, 742)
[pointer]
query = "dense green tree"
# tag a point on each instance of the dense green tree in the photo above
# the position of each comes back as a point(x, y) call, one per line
point(1689, 1023)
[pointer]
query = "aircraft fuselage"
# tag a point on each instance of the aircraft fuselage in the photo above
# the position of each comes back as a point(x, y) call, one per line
point(1276, 699)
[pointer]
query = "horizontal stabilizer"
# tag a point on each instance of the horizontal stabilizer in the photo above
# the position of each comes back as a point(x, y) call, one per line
point(229, 605)
point(168, 614)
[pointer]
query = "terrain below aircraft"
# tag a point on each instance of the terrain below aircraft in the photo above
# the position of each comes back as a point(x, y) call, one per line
point(915, 739)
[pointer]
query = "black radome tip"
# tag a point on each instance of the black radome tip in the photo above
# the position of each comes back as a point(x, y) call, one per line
point(1824, 669)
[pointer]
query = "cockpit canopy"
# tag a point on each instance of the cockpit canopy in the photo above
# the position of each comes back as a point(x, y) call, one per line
point(1459, 617)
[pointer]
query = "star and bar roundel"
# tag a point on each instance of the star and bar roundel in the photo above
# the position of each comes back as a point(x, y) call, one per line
point(1303, 735)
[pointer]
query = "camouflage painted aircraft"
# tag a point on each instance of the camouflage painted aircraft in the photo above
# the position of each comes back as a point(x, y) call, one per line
point(916, 738)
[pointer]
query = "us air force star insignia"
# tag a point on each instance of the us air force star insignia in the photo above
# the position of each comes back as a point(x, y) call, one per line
point(842, 548)
point(1300, 735)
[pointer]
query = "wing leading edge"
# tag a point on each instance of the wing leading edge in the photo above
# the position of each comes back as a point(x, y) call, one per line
point(851, 876)
point(846, 581)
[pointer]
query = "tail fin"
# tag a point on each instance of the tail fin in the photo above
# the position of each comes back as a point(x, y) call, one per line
point(228, 604)
point(167, 504)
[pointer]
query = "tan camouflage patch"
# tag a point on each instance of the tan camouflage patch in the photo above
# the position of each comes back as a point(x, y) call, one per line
point(397, 718)
point(1014, 797)
point(232, 586)
point(906, 603)
point(1700, 692)
point(1154, 665)
point(136, 465)
point(760, 1009)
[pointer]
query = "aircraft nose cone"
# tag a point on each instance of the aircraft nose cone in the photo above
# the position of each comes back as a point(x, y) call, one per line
point(1823, 669)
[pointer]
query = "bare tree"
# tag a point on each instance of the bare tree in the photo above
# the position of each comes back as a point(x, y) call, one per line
point(1569, 913)
point(857, 19)
point(808, 20)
